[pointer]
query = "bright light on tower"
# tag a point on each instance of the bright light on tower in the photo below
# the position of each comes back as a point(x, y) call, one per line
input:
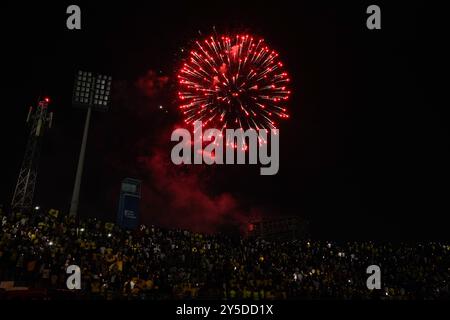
point(91, 91)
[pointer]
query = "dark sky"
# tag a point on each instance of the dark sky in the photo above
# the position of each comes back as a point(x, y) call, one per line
point(364, 155)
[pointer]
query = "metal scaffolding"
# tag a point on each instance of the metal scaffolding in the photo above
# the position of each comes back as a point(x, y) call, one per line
point(38, 118)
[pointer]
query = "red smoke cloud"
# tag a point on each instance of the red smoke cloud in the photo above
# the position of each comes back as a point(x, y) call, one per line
point(152, 83)
point(177, 196)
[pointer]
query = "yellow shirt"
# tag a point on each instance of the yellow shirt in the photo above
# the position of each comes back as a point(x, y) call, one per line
point(119, 265)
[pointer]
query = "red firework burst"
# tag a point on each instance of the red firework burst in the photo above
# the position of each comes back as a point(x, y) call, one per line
point(233, 82)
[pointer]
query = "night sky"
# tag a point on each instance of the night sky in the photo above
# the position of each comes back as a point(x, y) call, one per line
point(364, 154)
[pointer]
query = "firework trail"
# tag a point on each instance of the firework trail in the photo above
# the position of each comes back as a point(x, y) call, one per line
point(233, 82)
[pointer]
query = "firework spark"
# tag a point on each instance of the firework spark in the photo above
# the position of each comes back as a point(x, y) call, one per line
point(233, 82)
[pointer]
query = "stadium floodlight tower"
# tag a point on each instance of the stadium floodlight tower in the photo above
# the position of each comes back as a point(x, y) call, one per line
point(91, 91)
point(38, 118)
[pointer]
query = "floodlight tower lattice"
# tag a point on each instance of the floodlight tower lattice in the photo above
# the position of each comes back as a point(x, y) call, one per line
point(38, 118)
point(91, 91)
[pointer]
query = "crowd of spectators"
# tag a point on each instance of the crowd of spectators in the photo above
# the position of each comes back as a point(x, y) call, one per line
point(155, 263)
